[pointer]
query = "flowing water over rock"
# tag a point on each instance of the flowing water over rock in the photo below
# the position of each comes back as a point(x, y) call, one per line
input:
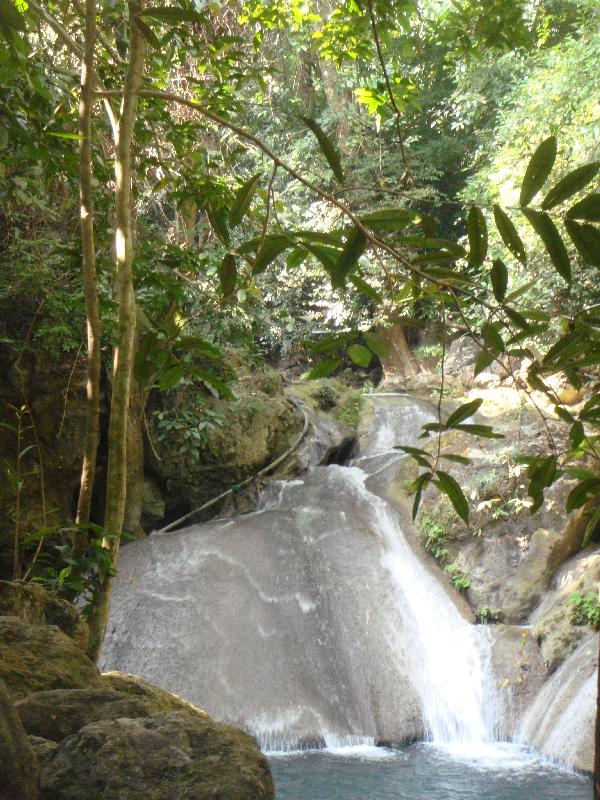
point(310, 620)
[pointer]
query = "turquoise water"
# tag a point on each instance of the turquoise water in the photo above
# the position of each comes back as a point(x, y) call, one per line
point(424, 772)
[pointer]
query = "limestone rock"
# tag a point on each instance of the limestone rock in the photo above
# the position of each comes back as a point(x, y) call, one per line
point(34, 658)
point(35, 606)
point(44, 749)
point(520, 674)
point(553, 622)
point(18, 764)
point(59, 713)
point(170, 757)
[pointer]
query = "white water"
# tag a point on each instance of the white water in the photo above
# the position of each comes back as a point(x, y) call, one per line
point(311, 620)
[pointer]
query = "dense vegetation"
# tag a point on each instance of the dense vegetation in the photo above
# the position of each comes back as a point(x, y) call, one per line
point(330, 182)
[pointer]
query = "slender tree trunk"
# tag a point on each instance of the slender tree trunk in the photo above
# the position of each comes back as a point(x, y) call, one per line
point(90, 284)
point(399, 362)
point(116, 481)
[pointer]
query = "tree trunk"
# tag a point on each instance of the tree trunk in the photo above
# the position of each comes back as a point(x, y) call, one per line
point(597, 735)
point(90, 285)
point(399, 362)
point(116, 481)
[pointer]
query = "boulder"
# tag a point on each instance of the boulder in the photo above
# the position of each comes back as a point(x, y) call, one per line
point(170, 757)
point(44, 749)
point(59, 713)
point(35, 658)
point(18, 763)
point(35, 606)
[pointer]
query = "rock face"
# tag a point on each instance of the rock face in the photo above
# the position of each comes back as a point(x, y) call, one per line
point(35, 658)
point(35, 606)
point(170, 757)
point(18, 763)
point(520, 674)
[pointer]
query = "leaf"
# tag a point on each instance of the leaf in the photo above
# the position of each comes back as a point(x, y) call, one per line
point(548, 233)
point(539, 168)
point(418, 486)
point(591, 527)
point(389, 219)
point(228, 274)
point(499, 276)
point(509, 234)
point(478, 237)
point(486, 431)
point(456, 458)
point(588, 209)
point(492, 338)
point(360, 355)
point(272, 246)
point(171, 14)
point(574, 182)
point(242, 200)
point(365, 288)
point(517, 318)
point(324, 369)
point(147, 32)
point(170, 378)
point(197, 344)
point(463, 412)
point(483, 360)
point(376, 344)
point(327, 148)
point(213, 381)
point(448, 485)
point(586, 239)
point(218, 224)
point(353, 249)
point(582, 492)
point(576, 434)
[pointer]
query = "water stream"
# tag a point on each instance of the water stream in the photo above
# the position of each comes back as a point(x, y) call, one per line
point(311, 622)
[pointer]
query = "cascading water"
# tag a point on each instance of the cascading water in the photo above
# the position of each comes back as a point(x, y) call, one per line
point(310, 620)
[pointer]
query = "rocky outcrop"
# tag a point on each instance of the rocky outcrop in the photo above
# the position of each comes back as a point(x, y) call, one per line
point(36, 658)
point(169, 757)
point(18, 763)
point(56, 714)
point(35, 606)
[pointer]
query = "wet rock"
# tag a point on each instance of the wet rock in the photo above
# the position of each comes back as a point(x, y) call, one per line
point(35, 606)
point(169, 757)
point(520, 674)
point(18, 763)
point(59, 713)
point(35, 658)
point(553, 621)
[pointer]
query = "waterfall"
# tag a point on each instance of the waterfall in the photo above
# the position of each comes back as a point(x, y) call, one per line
point(310, 620)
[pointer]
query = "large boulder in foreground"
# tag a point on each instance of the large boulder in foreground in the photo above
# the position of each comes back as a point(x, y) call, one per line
point(59, 713)
point(35, 606)
point(18, 764)
point(175, 756)
point(35, 658)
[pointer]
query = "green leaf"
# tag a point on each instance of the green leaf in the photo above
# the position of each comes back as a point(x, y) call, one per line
point(360, 355)
point(591, 526)
point(376, 344)
point(242, 200)
point(228, 274)
point(448, 485)
point(324, 369)
point(573, 182)
point(147, 32)
point(219, 224)
point(492, 338)
point(586, 239)
point(485, 431)
point(327, 148)
point(170, 378)
point(538, 170)
point(196, 344)
point(171, 14)
point(582, 492)
point(576, 434)
point(353, 249)
point(365, 288)
point(389, 219)
point(456, 458)
point(499, 276)
point(417, 487)
point(463, 412)
point(478, 237)
point(587, 209)
point(509, 234)
point(548, 233)
point(517, 318)
point(413, 451)
point(213, 382)
point(483, 361)
point(272, 246)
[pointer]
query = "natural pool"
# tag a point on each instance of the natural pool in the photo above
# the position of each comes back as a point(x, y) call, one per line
point(424, 772)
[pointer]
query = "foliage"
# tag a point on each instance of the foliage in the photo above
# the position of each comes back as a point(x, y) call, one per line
point(586, 608)
point(459, 577)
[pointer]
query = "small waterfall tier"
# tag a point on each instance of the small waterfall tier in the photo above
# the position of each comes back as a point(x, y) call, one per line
point(310, 620)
